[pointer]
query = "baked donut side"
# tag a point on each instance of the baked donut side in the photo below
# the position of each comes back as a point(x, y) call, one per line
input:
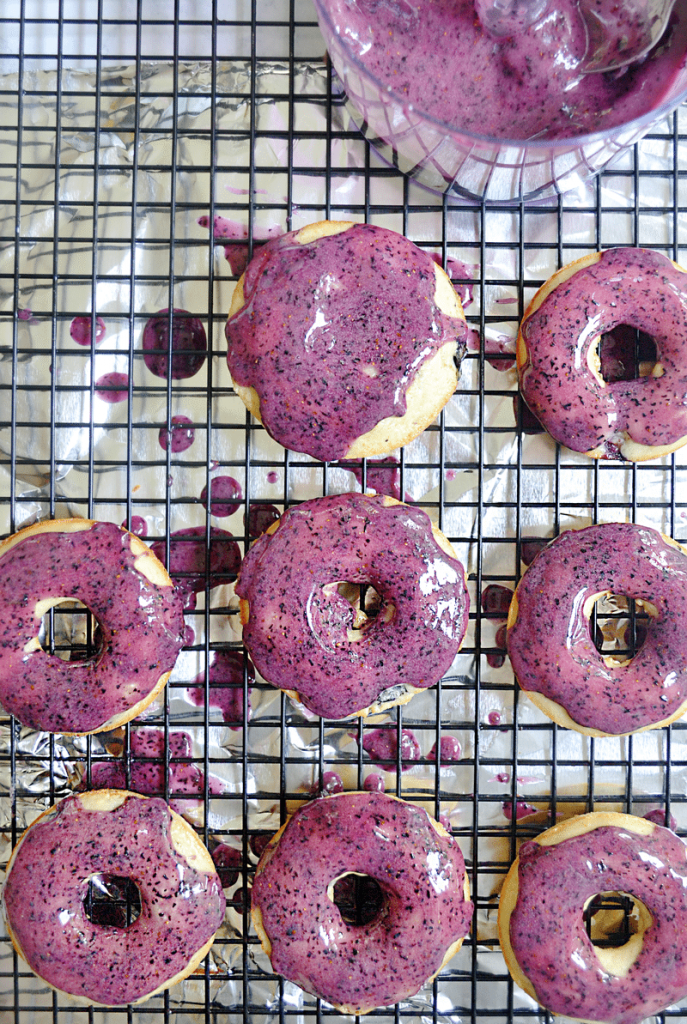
point(558, 361)
point(299, 592)
point(550, 644)
point(360, 383)
point(128, 836)
point(129, 592)
point(545, 943)
point(420, 925)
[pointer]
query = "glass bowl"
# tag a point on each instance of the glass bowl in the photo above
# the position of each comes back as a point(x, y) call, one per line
point(447, 159)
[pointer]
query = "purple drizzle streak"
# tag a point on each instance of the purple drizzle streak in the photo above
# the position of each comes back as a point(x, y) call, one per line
point(297, 631)
point(141, 627)
point(550, 645)
point(333, 332)
point(420, 873)
point(636, 287)
point(544, 932)
point(182, 907)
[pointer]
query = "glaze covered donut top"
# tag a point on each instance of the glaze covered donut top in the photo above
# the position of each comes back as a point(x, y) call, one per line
point(550, 643)
point(304, 635)
point(541, 920)
point(120, 834)
point(124, 586)
point(331, 331)
point(559, 366)
point(425, 911)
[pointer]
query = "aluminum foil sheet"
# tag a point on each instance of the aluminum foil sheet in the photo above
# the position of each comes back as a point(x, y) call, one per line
point(72, 453)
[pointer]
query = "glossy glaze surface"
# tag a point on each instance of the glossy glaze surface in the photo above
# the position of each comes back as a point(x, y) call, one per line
point(551, 647)
point(436, 55)
point(333, 332)
point(181, 907)
point(637, 287)
point(141, 627)
point(424, 910)
point(550, 941)
point(298, 629)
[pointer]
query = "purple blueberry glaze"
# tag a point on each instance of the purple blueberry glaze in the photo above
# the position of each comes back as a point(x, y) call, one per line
point(112, 387)
point(659, 816)
point(138, 526)
point(449, 750)
point(225, 496)
point(636, 287)
point(181, 906)
point(80, 330)
point(331, 783)
point(550, 941)
point(522, 809)
point(228, 862)
point(180, 437)
point(382, 746)
point(189, 345)
point(225, 678)
point(333, 333)
point(272, 477)
point(496, 600)
point(374, 783)
point(551, 647)
point(188, 562)
point(382, 475)
point(141, 628)
point(439, 59)
point(260, 518)
point(298, 628)
point(420, 873)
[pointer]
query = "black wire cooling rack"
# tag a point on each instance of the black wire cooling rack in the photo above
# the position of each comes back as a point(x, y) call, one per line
point(125, 131)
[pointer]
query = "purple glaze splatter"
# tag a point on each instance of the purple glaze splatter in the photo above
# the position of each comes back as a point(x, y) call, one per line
point(496, 600)
point(382, 746)
point(449, 748)
point(188, 563)
point(236, 253)
point(181, 435)
point(522, 809)
point(272, 477)
point(228, 864)
point(225, 678)
point(225, 496)
point(80, 330)
point(138, 526)
point(260, 518)
point(189, 344)
point(331, 783)
point(374, 783)
point(113, 387)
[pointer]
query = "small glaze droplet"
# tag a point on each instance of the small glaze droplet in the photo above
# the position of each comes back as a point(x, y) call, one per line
point(225, 496)
point(188, 343)
point(138, 526)
point(113, 387)
point(24, 314)
point(382, 745)
point(522, 809)
point(496, 599)
point(228, 863)
point(272, 477)
point(374, 783)
point(80, 330)
point(449, 748)
point(331, 783)
point(494, 718)
point(260, 518)
point(180, 437)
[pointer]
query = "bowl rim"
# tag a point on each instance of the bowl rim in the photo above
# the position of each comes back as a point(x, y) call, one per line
point(645, 120)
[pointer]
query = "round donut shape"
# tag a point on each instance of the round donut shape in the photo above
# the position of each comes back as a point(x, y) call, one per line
point(304, 635)
point(550, 645)
point(126, 836)
point(124, 586)
point(315, 358)
point(541, 924)
point(558, 355)
point(425, 912)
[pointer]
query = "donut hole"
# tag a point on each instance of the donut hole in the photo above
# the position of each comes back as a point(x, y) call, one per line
point(359, 898)
point(71, 632)
point(112, 901)
point(619, 626)
point(616, 923)
point(626, 353)
point(367, 604)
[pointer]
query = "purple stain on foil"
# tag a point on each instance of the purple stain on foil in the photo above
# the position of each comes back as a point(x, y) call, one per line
point(189, 564)
point(503, 777)
point(225, 496)
point(382, 746)
point(383, 475)
point(188, 345)
point(260, 518)
point(113, 387)
point(225, 679)
point(257, 844)
point(237, 253)
point(449, 749)
point(496, 600)
point(530, 548)
point(138, 525)
point(498, 348)
point(457, 270)
point(496, 660)
point(272, 477)
point(525, 418)
point(494, 718)
point(374, 783)
point(24, 314)
point(80, 330)
point(227, 861)
point(180, 437)
point(522, 809)
point(658, 816)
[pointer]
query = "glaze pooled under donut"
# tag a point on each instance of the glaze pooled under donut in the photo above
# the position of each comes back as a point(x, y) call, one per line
point(559, 365)
point(542, 930)
point(343, 339)
point(425, 913)
point(123, 835)
point(305, 636)
point(128, 591)
point(550, 644)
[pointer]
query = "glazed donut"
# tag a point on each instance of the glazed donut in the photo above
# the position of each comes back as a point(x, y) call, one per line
point(343, 339)
point(419, 874)
point(550, 643)
point(560, 369)
point(124, 586)
point(307, 634)
point(120, 835)
point(541, 923)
